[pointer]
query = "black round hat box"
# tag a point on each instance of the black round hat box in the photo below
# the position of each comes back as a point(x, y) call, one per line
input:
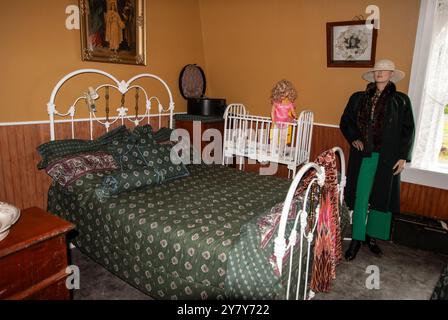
point(192, 86)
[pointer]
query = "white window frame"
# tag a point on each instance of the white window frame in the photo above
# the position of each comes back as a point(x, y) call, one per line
point(429, 178)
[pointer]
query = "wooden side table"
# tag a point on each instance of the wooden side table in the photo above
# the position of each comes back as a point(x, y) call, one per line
point(187, 122)
point(33, 257)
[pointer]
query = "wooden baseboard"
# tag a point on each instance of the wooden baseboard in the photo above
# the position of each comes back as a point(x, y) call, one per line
point(25, 186)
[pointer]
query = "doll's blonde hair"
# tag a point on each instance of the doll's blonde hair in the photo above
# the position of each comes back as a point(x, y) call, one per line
point(283, 89)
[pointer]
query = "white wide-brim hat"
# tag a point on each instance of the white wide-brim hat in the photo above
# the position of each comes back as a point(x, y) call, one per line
point(384, 65)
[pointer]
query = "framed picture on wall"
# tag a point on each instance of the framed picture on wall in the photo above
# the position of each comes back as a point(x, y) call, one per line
point(113, 31)
point(351, 44)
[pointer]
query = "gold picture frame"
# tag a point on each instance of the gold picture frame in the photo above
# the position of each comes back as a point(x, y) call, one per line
point(113, 31)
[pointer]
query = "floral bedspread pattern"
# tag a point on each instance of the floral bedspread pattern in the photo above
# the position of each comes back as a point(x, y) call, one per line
point(328, 249)
point(441, 290)
point(177, 240)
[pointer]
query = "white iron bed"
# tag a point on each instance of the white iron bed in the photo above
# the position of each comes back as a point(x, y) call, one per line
point(237, 124)
point(92, 94)
point(255, 138)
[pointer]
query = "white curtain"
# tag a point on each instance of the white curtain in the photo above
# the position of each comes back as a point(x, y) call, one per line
point(434, 94)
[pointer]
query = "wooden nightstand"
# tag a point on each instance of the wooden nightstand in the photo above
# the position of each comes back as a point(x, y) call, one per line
point(187, 122)
point(199, 124)
point(33, 257)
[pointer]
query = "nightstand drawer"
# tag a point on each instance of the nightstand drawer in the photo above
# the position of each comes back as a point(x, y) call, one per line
point(30, 267)
point(198, 127)
point(54, 291)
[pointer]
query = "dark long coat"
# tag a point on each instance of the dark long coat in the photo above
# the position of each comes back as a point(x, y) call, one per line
point(397, 142)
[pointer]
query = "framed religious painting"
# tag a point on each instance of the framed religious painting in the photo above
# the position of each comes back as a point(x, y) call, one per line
point(113, 31)
point(351, 44)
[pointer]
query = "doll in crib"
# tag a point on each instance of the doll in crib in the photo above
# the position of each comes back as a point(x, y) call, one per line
point(283, 96)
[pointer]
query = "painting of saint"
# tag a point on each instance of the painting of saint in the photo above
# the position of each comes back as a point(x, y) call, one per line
point(110, 32)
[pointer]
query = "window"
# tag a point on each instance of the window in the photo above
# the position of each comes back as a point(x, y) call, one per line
point(428, 91)
point(443, 155)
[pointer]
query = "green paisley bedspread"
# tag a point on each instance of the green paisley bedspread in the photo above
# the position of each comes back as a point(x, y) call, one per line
point(441, 289)
point(190, 238)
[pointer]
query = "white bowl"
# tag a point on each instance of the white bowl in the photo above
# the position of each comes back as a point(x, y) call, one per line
point(8, 216)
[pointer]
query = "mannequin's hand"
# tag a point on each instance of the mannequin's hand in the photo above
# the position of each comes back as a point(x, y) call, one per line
point(399, 166)
point(358, 145)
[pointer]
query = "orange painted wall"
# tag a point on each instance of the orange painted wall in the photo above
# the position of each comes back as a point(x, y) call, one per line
point(244, 47)
point(37, 50)
point(251, 44)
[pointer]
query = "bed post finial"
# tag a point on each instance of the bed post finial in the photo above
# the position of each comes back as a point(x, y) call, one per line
point(51, 108)
point(171, 113)
point(279, 251)
point(123, 87)
point(321, 177)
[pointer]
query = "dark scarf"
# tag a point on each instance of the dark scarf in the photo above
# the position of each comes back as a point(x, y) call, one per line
point(371, 124)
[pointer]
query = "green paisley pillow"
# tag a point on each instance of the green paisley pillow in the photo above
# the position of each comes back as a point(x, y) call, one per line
point(118, 133)
point(126, 153)
point(146, 133)
point(160, 158)
point(162, 135)
point(127, 180)
point(56, 149)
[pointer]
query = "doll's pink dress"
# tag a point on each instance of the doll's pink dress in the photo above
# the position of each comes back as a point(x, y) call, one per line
point(281, 112)
point(280, 130)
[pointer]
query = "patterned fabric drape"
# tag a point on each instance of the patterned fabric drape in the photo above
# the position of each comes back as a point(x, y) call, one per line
point(429, 136)
point(324, 261)
point(327, 244)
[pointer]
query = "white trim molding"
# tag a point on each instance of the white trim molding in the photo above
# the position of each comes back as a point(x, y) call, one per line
point(23, 123)
point(425, 177)
point(410, 175)
point(326, 125)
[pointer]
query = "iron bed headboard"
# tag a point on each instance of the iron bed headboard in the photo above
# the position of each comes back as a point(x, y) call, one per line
point(122, 87)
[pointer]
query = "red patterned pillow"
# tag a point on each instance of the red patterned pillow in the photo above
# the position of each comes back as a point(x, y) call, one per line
point(68, 169)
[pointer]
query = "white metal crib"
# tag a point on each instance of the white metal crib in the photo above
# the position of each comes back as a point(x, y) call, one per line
point(256, 138)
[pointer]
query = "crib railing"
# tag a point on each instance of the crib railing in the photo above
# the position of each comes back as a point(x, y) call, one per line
point(257, 138)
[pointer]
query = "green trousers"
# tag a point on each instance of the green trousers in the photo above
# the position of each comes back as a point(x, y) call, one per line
point(373, 222)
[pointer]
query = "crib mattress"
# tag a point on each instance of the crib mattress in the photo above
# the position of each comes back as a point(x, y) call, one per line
point(261, 151)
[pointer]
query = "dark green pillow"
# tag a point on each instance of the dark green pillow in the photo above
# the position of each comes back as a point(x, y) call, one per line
point(159, 157)
point(127, 180)
point(57, 149)
point(126, 153)
point(116, 134)
point(143, 131)
point(163, 134)
point(146, 132)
